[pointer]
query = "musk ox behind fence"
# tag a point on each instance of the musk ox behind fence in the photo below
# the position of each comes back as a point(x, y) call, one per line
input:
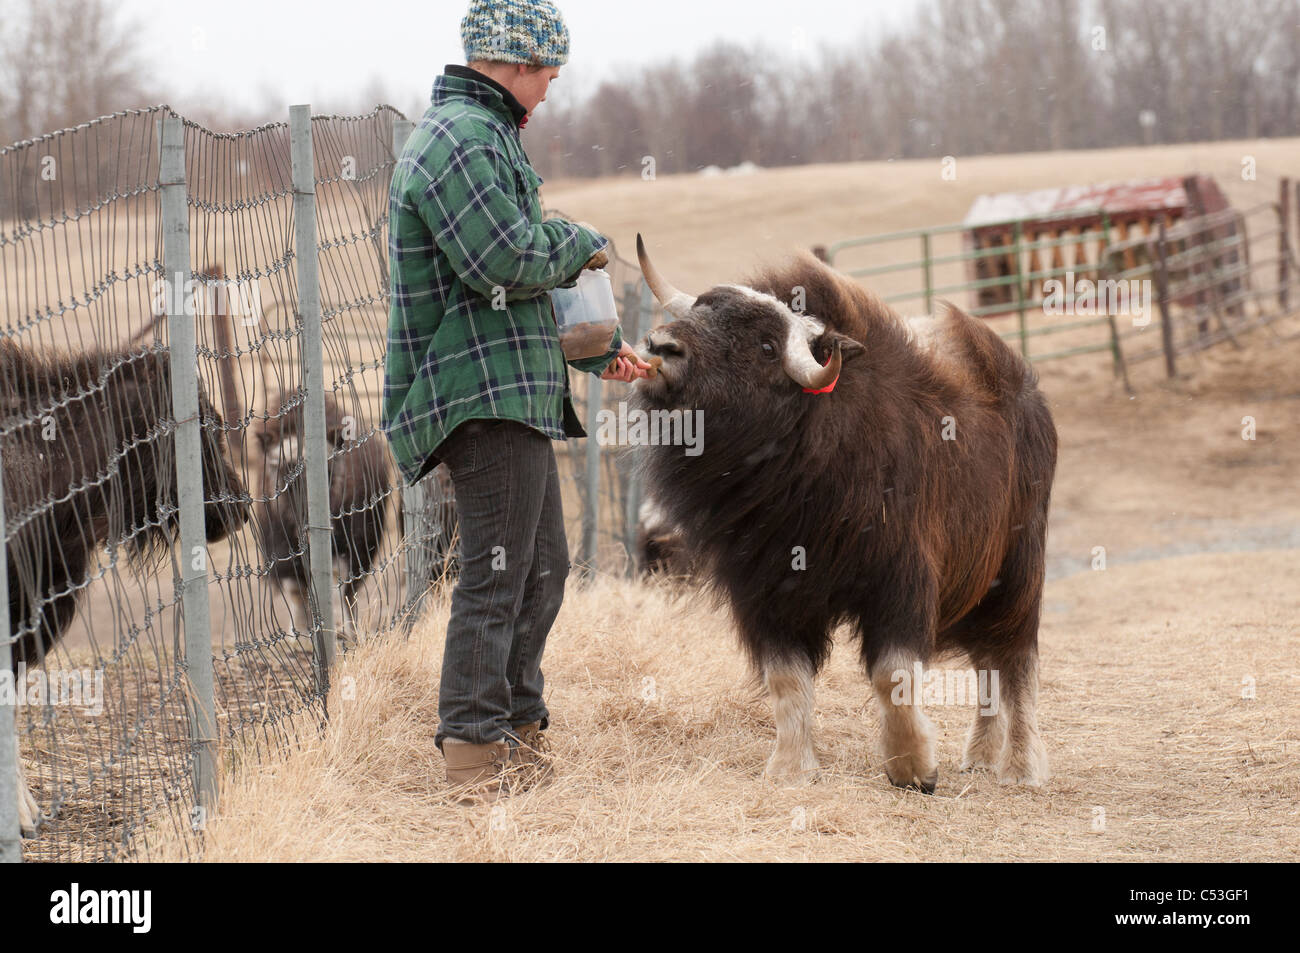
point(359, 480)
point(92, 291)
point(89, 455)
point(860, 469)
point(91, 273)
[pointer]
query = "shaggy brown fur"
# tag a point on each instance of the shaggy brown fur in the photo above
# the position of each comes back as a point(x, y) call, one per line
point(660, 548)
point(89, 462)
point(925, 545)
point(359, 478)
point(88, 450)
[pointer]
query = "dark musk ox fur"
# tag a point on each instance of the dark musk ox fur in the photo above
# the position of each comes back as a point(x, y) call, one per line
point(105, 478)
point(924, 546)
point(89, 457)
point(359, 478)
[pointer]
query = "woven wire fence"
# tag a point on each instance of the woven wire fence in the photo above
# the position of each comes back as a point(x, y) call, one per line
point(602, 535)
point(87, 442)
point(354, 166)
point(250, 354)
point(1214, 277)
point(157, 635)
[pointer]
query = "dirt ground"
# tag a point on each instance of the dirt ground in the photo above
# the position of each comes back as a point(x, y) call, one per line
point(1166, 471)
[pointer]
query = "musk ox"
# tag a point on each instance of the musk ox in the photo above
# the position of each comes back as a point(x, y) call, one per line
point(88, 449)
point(359, 478)
point(867, 470)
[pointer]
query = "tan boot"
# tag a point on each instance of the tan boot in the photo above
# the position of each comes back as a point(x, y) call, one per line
point(482, 770)
point(533, 754)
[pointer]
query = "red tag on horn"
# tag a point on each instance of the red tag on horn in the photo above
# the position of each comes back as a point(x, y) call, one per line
point(828, 388)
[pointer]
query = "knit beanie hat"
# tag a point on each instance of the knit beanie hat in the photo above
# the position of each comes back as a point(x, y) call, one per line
point(531, 32)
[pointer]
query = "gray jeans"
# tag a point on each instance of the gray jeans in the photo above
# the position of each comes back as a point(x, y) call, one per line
point(514, 561)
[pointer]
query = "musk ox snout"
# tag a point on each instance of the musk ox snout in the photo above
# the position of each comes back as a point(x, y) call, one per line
point(662, 343)
point(668, 355)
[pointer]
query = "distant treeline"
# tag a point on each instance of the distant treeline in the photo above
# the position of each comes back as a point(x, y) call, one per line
point(63, 62)
point(965, 77)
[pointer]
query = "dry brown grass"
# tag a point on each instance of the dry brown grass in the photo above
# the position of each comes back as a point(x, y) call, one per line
point(1141, 709)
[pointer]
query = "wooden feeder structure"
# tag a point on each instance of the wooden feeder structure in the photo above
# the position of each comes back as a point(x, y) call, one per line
point(1038, 235)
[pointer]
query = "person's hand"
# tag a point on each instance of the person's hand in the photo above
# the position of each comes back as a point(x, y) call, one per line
point(601, 258)
point(627, 367)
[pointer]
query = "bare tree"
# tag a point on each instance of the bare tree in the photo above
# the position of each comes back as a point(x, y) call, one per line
point(63, 62)
point(963, 77)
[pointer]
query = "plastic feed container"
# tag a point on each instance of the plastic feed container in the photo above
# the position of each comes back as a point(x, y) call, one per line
point(586, 316)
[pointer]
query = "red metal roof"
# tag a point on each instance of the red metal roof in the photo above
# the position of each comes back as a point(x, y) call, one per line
point(1113, 197)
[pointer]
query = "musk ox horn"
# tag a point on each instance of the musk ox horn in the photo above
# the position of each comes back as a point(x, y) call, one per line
point(677, 303)
point(803, 367)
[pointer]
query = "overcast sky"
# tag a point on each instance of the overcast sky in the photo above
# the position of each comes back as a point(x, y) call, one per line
point(249, 52)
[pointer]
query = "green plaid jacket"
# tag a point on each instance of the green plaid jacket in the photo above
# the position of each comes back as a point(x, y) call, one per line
point(471, 333)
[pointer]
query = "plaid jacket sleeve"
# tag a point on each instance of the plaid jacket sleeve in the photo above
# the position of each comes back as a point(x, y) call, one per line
point(488, 239)
point(597, 365)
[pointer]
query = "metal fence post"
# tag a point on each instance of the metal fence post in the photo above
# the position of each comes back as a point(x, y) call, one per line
point(315, 449)
point(645, 318)
point(415, 541)
point(183, 359)
point(1020, 292)
point(1284, 244)
point(10, 846)
point(1118, 364)
point(927, 274)
point(1162, 296)
point(591, 511)
point(402, 129)
point(633, 318)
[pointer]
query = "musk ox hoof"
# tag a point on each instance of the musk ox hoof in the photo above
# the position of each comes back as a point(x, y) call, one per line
point(925, 785)
point(791, 774)
point(1034, 777)
point(29, 813)
point(1027, 768)
point(983, 744)
point(1023, 780)
point(903, 772)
